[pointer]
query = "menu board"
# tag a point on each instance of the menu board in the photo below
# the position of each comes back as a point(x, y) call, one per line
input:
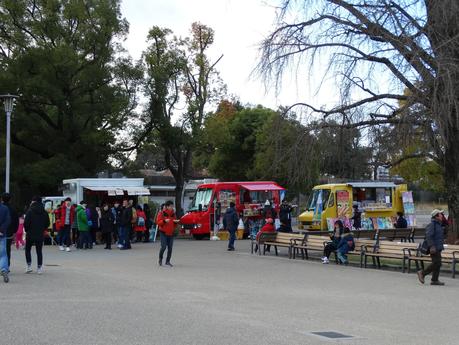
point(342, 201)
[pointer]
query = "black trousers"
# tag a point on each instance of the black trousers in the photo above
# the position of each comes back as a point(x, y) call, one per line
point(39, 249)
point(329, 248)
point(434, 267)
point(9, 241)
point(107, 236)
point(166, 242)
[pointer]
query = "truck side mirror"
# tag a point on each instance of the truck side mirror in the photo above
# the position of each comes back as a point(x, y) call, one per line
point(200, 207)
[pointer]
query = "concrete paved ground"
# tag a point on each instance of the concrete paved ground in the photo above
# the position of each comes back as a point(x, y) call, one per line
point(212, 296)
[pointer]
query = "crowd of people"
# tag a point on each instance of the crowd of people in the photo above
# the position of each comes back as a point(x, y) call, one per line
point(82, 226)
point(85, 225)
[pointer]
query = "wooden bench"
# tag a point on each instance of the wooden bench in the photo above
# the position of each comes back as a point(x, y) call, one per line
point(276, 239)
point(389, 250)
point(317, 243)
point(450, 255)
point(309, 242)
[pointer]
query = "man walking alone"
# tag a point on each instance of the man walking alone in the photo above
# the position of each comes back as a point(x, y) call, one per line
point(66, 214)
point(166, 221)
point(434, 238)
point(230, 223)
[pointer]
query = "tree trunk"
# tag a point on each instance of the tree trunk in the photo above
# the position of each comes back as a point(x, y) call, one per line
point(452, 185)
point(178, 197)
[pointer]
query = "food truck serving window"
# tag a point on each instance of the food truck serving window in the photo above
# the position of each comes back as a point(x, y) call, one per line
point(202, 197)
point(373, 198)
point(255, 197)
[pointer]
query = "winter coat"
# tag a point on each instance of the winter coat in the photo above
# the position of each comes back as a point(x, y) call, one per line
point(106, 221)
point(285, 213)
point(268, 227)
point(60, 216)
point(36, 222)
point(14, 223)
point(126, 217)
point(336, 239)
point(82, 219)
point(166, 227)
point(117, 211)
point(140, 228)
point(346, 244)
point(285, 228)
point(401, 223)
point(435, 235)
point(357, 219)
point(230, 219)
point(5, 220)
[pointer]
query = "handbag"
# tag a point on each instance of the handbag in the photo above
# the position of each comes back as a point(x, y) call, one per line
point(424, 249)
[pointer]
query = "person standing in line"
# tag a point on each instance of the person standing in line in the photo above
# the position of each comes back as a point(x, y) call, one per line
point(401, 221)
point(84, 238)
point(166, 222)
point(356, 218)
point(126, 225)
point(435, 239)
point(117, 211)
point(12, 228)
point(140, 226)
point(230, 223)
point(148, 222)
point(35, 223)
point(106, 225)
point(5, 221)
point(66, 215)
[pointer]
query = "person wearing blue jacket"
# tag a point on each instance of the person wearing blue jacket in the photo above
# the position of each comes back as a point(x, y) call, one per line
point(5, 220)
point(345, 245)
point(435, 239)
point(230, 223)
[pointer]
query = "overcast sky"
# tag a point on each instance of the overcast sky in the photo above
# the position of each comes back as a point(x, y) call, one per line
point(239, 27)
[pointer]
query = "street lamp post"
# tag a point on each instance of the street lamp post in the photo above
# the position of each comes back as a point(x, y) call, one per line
point(8, 101)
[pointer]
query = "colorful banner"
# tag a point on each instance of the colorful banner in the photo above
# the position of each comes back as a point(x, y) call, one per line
point(342, 201)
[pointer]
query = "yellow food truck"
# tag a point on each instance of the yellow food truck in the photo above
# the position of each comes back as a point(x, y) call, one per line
point(329, 201)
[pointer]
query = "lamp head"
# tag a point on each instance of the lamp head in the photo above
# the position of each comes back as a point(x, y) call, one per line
point(8, 102)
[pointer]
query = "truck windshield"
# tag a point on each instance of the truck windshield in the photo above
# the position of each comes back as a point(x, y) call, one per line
point(312, 202)
point(202, 197)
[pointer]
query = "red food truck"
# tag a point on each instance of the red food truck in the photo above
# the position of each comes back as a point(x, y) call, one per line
point(211, 201)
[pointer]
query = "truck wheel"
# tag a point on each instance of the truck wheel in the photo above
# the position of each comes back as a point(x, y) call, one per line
point(197, 237)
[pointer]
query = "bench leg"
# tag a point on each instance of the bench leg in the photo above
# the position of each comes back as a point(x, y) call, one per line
point(379, 262)
point(403, 265)
point(251, 248)
point(264, 249)
point(275, 249)
point(374, 261)
point(454, 268)
point(361, 260)
point(409, 266)
point(366, 259)
point(290, 252)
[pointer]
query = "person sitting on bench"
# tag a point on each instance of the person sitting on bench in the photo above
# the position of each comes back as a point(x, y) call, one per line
point(345, 245)
point(268, 227)
point(335, 237)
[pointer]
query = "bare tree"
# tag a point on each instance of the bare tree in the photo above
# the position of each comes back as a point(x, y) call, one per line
point(362, 42)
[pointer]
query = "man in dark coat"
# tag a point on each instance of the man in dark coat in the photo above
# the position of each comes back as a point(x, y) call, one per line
point(126, 225)
point(4, 224)
point(35, 223)
point(230, 223)
point(435, 239)
point(13, 228)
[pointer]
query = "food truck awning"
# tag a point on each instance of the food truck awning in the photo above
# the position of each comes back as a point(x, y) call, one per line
point(372, 184)
point(261, 186)
point(112, 190)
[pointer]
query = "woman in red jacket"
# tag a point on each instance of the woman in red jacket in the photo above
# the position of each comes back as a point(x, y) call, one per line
point(268, 227)
point(166, 221)
point(140, 227)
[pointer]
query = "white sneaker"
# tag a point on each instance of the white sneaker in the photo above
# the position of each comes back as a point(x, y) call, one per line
point(61, 248)
point(40, 270)
point(67, 249)
point(325, 260)
point(120, 246)
point(29, 269)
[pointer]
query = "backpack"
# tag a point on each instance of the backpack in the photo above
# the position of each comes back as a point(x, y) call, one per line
point(134, 217)
point(140, 221)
